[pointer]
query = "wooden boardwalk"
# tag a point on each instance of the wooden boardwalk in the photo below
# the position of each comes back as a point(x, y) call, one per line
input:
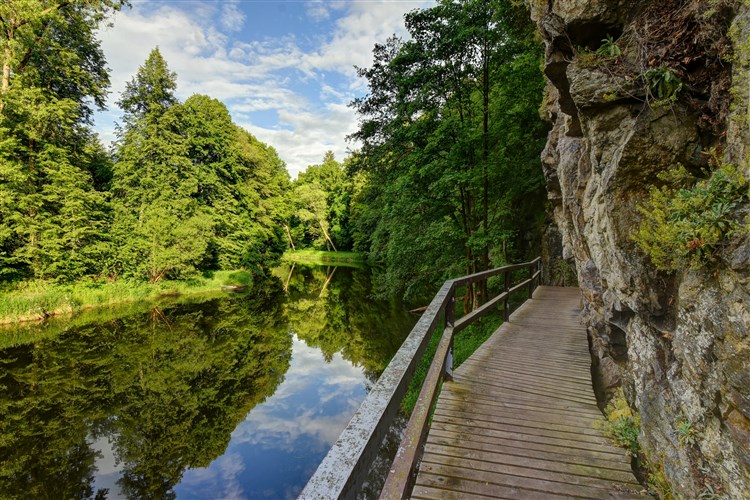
point(517, 421)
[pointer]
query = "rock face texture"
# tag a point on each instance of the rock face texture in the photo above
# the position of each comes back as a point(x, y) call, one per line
point(678, 343)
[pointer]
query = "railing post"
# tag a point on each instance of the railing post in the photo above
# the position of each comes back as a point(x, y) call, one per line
point(450, 320)
point(531, 281)
point(506, 308)
point(539, 268)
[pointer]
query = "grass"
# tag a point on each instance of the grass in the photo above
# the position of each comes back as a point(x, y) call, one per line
point(464, 344)
point(321, 257)
point(38, 300)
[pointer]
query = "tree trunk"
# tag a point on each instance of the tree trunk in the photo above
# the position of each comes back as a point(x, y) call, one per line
point(328, 238)
point(289, 234)
point(6, 77)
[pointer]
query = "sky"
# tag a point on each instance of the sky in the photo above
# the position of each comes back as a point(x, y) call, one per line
point(285, 69)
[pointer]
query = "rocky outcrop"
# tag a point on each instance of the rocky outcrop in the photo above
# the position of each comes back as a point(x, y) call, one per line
point(678, 343)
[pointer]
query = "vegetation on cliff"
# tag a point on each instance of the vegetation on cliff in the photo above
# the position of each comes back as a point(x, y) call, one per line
point(687, 222)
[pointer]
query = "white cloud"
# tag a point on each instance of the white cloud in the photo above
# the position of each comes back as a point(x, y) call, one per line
point(317, 10)
point(231, 17)
point(203, 43)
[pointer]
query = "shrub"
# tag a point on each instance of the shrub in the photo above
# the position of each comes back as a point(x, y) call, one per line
point(244, 278)
point(622, 425)
point(687, 226)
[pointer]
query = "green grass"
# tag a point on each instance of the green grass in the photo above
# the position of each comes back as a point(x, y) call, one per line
point(464, 344)
point(321, 257)
point(37, 300)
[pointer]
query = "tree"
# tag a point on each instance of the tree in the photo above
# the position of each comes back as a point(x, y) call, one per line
point(52, 218)
point(435, 143)
point(331, 177)
point(191, 190)
point(312, 210)
point(151, 91)
point(160, 228)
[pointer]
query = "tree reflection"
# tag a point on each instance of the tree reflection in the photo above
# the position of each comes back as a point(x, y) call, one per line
point(337, 314)
point(167, 386)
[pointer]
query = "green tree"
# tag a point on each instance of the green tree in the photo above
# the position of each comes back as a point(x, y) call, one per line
point(312, 211)
point(160, 228)
point(151, 91)
point(241, 182)
point(191, 190)
point(442, 146)
point(52, 218)
point(331, 177)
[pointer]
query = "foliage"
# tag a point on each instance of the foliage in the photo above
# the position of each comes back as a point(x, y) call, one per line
point(450, 145)
point(243, 278)
point(658, 485)
point(621, 424)
point(191, 190)
point(609, 48)
point(711, 493)
point(321, 200)
point(686, 434)
point(687, 222)
point(53, 217)
point(663, 85)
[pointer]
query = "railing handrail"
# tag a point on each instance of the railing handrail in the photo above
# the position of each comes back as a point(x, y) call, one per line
point(345, 467)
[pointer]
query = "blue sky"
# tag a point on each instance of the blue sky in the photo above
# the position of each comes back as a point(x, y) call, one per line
point(284, 68)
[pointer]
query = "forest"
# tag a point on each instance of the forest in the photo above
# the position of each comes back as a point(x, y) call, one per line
point(444, 178)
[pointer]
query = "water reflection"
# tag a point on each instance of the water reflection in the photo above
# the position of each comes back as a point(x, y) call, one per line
point(239, 397)
point(286, 436)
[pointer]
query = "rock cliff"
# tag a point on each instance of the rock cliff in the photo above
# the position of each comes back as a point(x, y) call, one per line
point(677, 342)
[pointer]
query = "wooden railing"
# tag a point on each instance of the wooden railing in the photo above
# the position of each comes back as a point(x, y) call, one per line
point(346, 467)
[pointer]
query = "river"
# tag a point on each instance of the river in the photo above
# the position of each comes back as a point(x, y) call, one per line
point(234, 396)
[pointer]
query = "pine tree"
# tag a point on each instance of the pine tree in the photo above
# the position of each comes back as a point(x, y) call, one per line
point(52, 219)
point(160, 228)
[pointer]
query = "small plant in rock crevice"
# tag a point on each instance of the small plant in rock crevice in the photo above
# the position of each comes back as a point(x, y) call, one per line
point(686, 434)
point(663, 85)
point(609, 48)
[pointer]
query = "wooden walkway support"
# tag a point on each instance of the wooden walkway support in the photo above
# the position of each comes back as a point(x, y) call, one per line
point(517, 421)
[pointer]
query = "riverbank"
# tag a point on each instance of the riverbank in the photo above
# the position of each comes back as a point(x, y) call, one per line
point(39, 300)
point(323, 258)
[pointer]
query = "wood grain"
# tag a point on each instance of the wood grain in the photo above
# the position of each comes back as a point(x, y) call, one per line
point(518, 420)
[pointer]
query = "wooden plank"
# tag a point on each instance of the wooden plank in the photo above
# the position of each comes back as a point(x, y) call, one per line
point(518, 419)
point(576, 413)
point(531, 414)
point(460, 428)
point(439, 487)
point(565, 377)
point(522, 390)
point(552, 453)
point(586, 472)
point(488, 476)
point(493, 373)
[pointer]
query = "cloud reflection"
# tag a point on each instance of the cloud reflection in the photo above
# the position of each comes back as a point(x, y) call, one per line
point(271, 451)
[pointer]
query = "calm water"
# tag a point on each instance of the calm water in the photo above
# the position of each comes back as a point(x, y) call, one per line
point(232, 397)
